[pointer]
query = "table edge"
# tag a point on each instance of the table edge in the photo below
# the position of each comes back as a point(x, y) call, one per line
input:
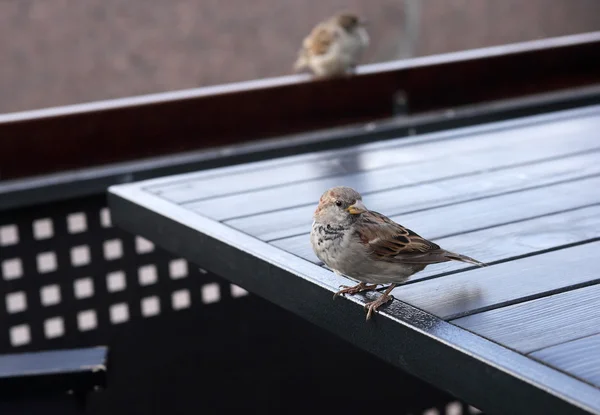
point(211, 243)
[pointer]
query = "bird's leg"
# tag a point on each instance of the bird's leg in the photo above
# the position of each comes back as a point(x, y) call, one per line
point(374, 305)
point(354, 290)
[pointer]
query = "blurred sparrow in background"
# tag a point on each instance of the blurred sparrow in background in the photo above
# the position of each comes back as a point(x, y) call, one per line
point(369, 247)
point(333, 47)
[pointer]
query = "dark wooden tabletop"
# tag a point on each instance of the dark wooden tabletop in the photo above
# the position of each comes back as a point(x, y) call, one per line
point(519, 336)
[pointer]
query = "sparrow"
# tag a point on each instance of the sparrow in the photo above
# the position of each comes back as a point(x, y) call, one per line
point(369, 247)
point(333, 47)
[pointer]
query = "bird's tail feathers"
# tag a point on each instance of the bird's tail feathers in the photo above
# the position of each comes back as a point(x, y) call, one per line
point(463, 258)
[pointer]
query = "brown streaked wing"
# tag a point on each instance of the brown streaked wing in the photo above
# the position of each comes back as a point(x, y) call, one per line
point(390, 241)
point(320, 39)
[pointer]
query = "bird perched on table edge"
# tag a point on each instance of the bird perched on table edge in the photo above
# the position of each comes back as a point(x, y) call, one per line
point(369, 247)
point(334, 46)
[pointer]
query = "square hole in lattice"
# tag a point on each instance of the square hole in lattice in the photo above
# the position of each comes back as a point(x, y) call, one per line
point(105, 219)
point(12, 268)
point(113, 249)
point(16, 302)
point(143, 246)
point(150, 306)
point(46, 262)
point(83, 287)
point(181, 299)
point(147, 275)
point(43, 228)
point(115, 281)
point(50, 294)
point(454, 408)
point(211, 293)
point(80, 255)
point(87, 320)
point(178, 268)
point(9, 235)
point(20, 335)
point(54, 327)
point(431, 411)
point(119, 313)
point(77, 222)
point(237, 291)
point(202, 271)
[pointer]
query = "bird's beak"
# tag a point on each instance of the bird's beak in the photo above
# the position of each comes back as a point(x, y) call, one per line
point(357, 208)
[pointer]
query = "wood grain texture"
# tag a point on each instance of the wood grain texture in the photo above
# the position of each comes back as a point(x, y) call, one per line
point(540, 323)
point(391, 193)
point(409, 159)
point(521, 238)
point(284, 217)
point(580, 358)
point(465, 293)
point(436, 224)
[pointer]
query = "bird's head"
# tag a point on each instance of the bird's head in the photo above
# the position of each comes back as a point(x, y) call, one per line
point(349, 21)
point(339, 205)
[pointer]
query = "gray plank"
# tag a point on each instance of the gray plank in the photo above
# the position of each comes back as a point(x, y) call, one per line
point(457, 295)
point(520, 238)
point(436, 224)
point(537, 141)
point(540, 323)
point(296, 219)
point(580, 358)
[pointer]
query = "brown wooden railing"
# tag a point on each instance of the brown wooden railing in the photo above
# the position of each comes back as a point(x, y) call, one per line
point(78, 136)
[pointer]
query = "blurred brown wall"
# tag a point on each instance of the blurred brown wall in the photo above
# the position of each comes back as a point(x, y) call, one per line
point(57, 52)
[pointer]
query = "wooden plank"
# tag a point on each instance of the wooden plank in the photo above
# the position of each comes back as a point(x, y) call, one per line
point(423, 158)
point(285, 216)
point(580, 357)
point(524, 237)
point(435, 224)
point(387, 192)
point(465, 293)
point(540, 323)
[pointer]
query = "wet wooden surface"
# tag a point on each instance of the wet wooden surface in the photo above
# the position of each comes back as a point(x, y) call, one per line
point(522, 195)
point(540, 323)
point(579, 357)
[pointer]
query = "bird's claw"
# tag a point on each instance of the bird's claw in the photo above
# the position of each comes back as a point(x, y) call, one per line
point(344, 289)
point(354, 290)
point(373, 306)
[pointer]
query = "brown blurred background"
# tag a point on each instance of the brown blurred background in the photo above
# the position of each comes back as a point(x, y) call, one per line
point(57, 52)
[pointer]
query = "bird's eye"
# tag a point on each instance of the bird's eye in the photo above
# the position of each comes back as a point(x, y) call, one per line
point(338, 203)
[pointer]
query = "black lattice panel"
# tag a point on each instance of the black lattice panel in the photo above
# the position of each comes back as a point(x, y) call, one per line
point(68, 277)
